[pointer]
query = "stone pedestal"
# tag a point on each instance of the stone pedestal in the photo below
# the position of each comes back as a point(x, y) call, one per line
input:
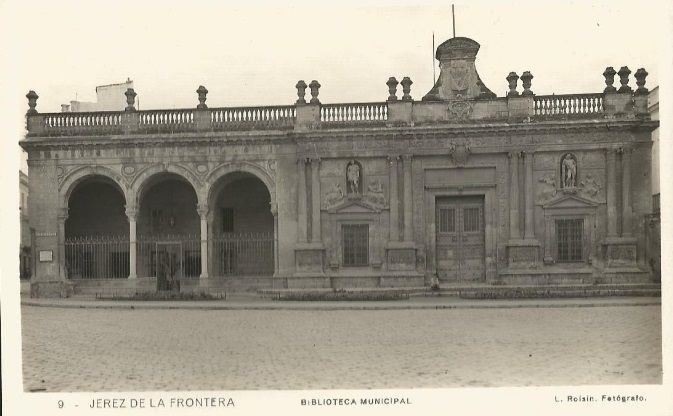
point(52, 289)
point(523, 254)
point(309, 259)
point(401, 256)
point(620, 253)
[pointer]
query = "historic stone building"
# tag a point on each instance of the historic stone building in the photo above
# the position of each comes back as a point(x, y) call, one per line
point(461, 187)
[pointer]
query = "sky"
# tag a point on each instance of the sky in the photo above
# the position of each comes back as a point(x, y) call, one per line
point(254, 52)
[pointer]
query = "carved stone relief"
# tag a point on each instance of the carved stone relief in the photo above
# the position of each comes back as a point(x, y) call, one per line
point(333, 196)
point(547, 190)
point(459, 110)
point(589, 187)
point(459, 153)
point(375, 195)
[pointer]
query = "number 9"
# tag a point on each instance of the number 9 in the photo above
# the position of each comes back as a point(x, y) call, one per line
point(60, 404)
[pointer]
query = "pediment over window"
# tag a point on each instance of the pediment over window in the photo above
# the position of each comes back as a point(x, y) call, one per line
point(353, 206)
point(569, 201)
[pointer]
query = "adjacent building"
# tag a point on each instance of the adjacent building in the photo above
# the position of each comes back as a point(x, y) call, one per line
point(460, 187)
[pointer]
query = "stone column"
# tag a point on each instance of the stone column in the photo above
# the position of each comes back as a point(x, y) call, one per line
point(301, 200)
point(529, 231)
point(203, 214)
point(60, 219)
point(315, 200)
point(612, 192)
point(627, 210)
point(132, 215)
point(408, 220)
point(394, 202)
point(514, 233)
point(274, 212)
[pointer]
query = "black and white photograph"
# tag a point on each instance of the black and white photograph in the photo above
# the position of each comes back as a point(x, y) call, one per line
point(358, 207)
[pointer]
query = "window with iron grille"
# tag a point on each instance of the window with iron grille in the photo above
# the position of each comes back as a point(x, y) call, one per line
point(569, 239)
point(447, 220)
point(355, 241)
point(471, 219)
point(227, 220)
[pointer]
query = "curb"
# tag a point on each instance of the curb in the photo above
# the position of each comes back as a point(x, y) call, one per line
point(332, 307)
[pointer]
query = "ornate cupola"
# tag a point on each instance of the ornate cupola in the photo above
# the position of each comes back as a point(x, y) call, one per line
point(458, 77)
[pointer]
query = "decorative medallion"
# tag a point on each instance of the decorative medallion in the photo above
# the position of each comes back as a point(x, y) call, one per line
point(128, 170)
point(201, 168)
point(459, 154)
point(459, 110)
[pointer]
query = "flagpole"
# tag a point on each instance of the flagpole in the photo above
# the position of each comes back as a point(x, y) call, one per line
point(434, 77)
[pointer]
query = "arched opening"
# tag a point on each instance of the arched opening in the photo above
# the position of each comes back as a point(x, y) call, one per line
point(242, 227)
point(168, 242)
point(96, 240)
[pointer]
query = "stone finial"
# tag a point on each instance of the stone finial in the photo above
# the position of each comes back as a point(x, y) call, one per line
point(130, 99)
point(301, 91)
point(406, 88)
point(32, 102)
point(202, 92)
point(392, 88)
point(640, 75)
point(315, 87)
point(512, 79)
point(624, 73)
point(609, 75)
point(526, 78)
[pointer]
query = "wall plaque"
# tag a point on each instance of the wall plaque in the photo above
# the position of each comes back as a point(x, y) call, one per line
point(46, 255)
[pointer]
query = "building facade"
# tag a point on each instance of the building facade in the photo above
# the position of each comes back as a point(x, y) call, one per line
point(25, 257)
point(459, 188)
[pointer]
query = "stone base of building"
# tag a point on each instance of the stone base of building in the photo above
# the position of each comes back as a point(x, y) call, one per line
point(523, 254)
point(565, 276)
point(52, 289)
point(620, 252)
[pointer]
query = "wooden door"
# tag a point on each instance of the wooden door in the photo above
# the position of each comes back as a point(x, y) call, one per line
point(460, 238)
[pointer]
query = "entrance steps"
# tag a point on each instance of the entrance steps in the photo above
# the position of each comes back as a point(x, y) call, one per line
point(468, 292)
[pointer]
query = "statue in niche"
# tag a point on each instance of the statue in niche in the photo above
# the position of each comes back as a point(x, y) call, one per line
point(334, 195)
point(375, 194)
point(569, 171)
point(353, 177)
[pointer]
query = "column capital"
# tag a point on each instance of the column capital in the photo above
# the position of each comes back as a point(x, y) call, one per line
point(62, 214)
point(302, 160)
point(407, 157)
point(202, 210)
point(527, 152)
point(314, 159)
point(273, 206)
point(132, 213)
point(393, 158)
point(514, 153)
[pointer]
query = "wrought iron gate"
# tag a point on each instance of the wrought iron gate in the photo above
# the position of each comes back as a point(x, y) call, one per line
point(97, 257)
point(184, 252)
point(243, 254)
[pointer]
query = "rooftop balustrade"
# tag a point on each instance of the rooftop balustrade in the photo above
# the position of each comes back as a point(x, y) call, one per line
point(484, 107)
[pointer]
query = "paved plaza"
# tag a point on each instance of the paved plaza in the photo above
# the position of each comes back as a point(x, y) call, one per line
point(113, 350)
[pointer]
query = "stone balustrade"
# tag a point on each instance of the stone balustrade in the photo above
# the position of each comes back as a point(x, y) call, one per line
point(525, 107)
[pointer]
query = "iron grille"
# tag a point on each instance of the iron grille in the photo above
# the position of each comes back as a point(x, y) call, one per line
point(569, 239)
point(471, 219)
point(244, 254)
point(355, 244)
point(447, 220)
point(97, 257)
point(227, 220)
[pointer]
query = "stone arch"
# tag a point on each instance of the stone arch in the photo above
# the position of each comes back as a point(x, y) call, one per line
point(78, 175)
point(247, 167)
point(143, 178)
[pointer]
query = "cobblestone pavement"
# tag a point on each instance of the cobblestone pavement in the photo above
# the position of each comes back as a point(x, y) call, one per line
point(118, 350)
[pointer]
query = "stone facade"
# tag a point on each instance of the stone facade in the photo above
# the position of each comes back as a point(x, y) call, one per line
point(461, 187)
